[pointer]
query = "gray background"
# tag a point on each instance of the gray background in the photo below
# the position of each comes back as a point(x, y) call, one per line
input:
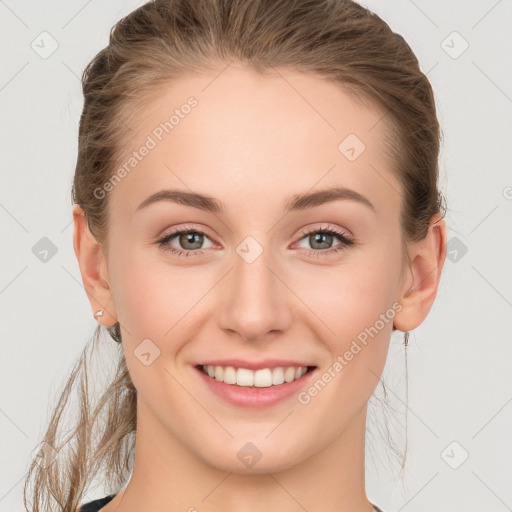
point(459, 359)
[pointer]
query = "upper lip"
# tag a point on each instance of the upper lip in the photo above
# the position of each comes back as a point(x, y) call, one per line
point(253, 365)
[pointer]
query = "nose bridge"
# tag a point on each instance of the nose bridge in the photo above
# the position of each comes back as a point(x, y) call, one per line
point(255, 299)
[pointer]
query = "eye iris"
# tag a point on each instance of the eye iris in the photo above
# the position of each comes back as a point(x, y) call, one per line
point(320, 240)
point(318, 237)
point(191, 237)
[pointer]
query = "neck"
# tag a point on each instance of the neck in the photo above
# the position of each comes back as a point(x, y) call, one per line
point(167, 476)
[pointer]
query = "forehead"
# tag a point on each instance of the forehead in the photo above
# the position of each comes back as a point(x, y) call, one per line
point(238, 133)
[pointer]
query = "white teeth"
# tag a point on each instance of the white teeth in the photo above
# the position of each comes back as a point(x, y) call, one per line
point(229, 375)
point(244, 377)
point(277, 376)
point(262, 378)
point(289, 374)
point(219, 373)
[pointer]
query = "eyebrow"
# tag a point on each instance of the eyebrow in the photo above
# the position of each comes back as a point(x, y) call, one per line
point(298, 202)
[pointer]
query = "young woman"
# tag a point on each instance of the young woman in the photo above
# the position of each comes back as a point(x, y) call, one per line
point(257, 210)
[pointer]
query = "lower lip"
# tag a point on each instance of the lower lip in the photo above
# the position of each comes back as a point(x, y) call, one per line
point(245, 396)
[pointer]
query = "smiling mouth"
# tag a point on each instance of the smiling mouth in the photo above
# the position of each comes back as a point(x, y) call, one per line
point(263, 378)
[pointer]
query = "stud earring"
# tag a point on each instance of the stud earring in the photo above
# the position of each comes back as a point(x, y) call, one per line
point(98, 314)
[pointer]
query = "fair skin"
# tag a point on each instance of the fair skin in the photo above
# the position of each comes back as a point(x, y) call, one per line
point(253, 143)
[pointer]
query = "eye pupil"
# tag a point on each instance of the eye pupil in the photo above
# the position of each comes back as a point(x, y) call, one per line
point(191, 237)
point(320, 240)
point(317, 237)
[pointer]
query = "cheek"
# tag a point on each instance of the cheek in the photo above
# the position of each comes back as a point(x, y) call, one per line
point(356, 314)
point(352, 297)
point(150, 296)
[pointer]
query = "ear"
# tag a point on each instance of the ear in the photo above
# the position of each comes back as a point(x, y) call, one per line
point(426, 260)
point(93, 268)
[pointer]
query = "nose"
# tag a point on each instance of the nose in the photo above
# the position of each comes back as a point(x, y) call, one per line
point(254, 299)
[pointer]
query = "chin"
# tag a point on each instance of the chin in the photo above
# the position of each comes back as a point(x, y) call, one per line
point(266, 464)
point(252, 457)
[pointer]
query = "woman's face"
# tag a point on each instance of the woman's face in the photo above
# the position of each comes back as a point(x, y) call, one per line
point(253, 283)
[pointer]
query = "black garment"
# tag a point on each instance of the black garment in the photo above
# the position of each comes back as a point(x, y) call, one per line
point(94, 506)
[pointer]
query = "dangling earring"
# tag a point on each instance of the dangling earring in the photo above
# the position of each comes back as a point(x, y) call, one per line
point(406, 338)
point(98, 314)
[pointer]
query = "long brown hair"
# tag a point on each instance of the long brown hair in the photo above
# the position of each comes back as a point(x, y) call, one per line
point(338, 40)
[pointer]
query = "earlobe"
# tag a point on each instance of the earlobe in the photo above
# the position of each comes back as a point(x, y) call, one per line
point(422, 278)
point(93, 268)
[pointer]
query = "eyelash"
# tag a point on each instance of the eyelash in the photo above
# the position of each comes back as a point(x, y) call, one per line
point(342, 237)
